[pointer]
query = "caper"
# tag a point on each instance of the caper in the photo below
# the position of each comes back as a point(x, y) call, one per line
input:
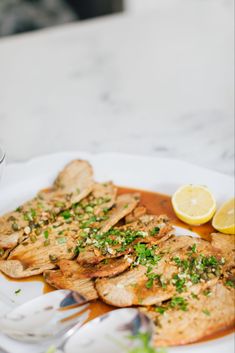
point(53, 258)
point(15, 226)
point(38, 231)
point(33, 238)
point(31, 224)
point(211, 275)
point(88, 209)
point(204, 276)
point(46, 242)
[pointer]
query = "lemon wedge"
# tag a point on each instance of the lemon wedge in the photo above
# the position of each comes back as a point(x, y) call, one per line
point(224, 219)
point(194, 204)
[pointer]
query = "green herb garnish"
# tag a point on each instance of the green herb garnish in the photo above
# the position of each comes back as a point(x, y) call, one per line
point(178, 303)
point(46, 234)
point(206, 312)
point(230, 283)
point(155, 231)
point(66, 214)
point(143, 341)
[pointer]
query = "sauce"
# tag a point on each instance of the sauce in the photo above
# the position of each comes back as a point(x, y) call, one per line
point(38, 278)
point(99, 308)
point(161, 204)
point(216, 335)
point(155, 203)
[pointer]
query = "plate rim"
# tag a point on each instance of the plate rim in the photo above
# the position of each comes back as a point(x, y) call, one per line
point(115, 154)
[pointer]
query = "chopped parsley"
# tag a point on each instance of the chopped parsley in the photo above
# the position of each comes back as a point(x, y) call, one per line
point(160, 309)
point(46, 234)
point(207, 292)
point(155, 231)
point(151, 278)
point(178, 303)
point(230, 283)
point(179, 283)
point(66, 214)
point(206, 312)
point(143, 344)
point(17, 291)
point(115, 240)
point(146, 255)
point(88, 222)
point(195, 269)
point(194, 248)
point(30, 215)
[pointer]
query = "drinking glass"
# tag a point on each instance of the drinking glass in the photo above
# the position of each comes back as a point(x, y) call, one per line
point(2, 161)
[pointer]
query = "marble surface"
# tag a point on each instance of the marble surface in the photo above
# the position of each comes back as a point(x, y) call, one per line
point(157, 82)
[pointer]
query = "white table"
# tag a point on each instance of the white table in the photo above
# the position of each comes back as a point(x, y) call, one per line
point(158, 83)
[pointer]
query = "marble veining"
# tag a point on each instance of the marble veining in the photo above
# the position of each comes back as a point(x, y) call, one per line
point(154, 83)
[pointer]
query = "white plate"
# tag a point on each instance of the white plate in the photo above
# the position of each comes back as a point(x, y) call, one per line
point(21, 182)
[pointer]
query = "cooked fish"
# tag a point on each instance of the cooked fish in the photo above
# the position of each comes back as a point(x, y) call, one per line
point(178, 264)
point(17, 269)
point(85, 287)
point(106, 268)
point(58, 240)
point(135, 214)
point(73, 184)
point(78, 278)
point(123, 206)
point(187, 319)
point(120, 240)
point(85, 238)
point(225, 244)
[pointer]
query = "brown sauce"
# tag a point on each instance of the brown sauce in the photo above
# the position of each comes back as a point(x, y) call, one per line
point(216, 335)
point(156, 204)
point(161, 204)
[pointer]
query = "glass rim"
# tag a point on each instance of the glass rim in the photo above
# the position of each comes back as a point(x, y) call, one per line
point(2, 155)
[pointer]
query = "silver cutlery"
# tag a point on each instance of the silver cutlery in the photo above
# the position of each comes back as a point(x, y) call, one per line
point(48, 319)
point(55, 319)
